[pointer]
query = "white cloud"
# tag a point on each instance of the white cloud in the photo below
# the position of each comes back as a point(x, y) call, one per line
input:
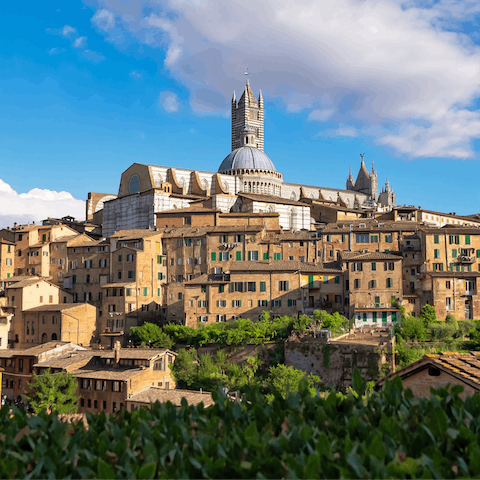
point(135, 74)
point(55, 51)
point(36, 205)
point(80, 42)
point(380, 61)
point(169, 102)
point(346, 132)
point(68, 30)
point(104, 19)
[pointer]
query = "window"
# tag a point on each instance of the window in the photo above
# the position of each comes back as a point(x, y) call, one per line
point(467, 239)
point(198, 260)
point(436, 253)
point(238, 256)
point(357, 267)
point(374, 315)
point(448, 284)
point(283, 286)
point(389, 282)
point(203, 319)
point(180, 295)
point(438, 267)
point(263, 303)
point(119, 258)
point(436, 239)
point(131, 274)
point(223, 238)
point(372, 284)
point(130, 257)
point(221, 288)
point(236, 303)
point(187, 220)
point(263, 286)
point(337, 279)
point(276, 303)
point(388, 238)
point(454, 239)
point(145, 291)
point(329, 238)
point(454, 253)
point(325, 279)
point(253, 255)
point(374, 266)
point(236, 287)
point(448, 303)
point(356, 283)
point(362, 238)
point(251, 287)
point(214, 256)
point(221, 303)
point(221, 318)
point(223, 256)
point(302, 259)
point(179, 260)
point(374, 239)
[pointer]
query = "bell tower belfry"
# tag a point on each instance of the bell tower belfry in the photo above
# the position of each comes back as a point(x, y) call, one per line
point(247, 112)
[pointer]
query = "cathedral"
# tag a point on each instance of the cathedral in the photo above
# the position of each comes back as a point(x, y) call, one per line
point(246, 181)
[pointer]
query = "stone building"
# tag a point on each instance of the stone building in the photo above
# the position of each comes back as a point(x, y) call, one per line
point(371, 281)
point(439, 371)
point(246, 181)
point(7, 258)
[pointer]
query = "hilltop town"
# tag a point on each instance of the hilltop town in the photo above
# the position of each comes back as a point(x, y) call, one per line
point(196, 248)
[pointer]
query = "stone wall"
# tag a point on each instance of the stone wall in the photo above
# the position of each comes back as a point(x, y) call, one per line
point(334, 361)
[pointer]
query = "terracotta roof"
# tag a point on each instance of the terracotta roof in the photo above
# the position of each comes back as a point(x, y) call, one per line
point(19, 278)
point(257, 197)
point(44, 347)
point(6, 242)
point(26, 283)
point(68, 359)
point(343, 226)
point(368, 256)
point(134, 234)
point(10, 352)
point(282, 266)
point(137, 353)
point(66, 238)
point(448, 273)
point(102, 373)
point(155, 394)
point(464, 366)
point(300, 235)
point(121, 285)
point(451, 230)
point(55, 307)
point(91, 243)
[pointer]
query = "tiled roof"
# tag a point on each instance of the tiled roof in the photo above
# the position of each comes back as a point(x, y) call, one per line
point(369, 256)
point(119, 374)
point(343, 226)
point(154, 394)
point(464, 366)
point(258, 197)
point(301, 235)
point(121, 285)
point(281, 266)
point(67, 238)
point(25, 283)
point(68, 359)
point(44, 347)
point(137, 353)
point(134, 234)
point(54, 307)
point(450, 274)
point(451, 230)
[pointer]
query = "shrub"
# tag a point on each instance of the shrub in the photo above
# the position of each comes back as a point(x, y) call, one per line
point(413, 328)
point(428, 315)
point(387, 434)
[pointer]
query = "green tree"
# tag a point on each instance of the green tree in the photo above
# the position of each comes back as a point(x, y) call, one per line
point(287, 379)
point(333, 321)
point(151, 334)
point(54, 391)
point(428, 315)
point(185, 368)
point(413, 328)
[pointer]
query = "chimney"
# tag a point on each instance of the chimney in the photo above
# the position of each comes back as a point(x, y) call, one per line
point(117, 347)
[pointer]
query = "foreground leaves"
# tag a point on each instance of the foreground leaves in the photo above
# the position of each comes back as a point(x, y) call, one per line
point(386, 435)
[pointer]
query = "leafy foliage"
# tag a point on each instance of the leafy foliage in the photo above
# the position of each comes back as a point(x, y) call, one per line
point(287, 379)
point(413, 328)
point(388, 434)
point(428, 315)
point(150, 334)
point(53, 391)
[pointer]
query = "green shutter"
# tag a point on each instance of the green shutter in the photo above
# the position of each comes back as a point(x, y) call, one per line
point(478, 253)
point(279, 303)
point(310, 281)
point(287, 286)
point(263, 286)
point(272, 303)
point(467, 239)
point(337, 279)
point(199, 303)
point(239, 303)
point(454, 253)
point(435, 239)
point(218, 303)
point(239, 256)
point(265, 256)
point(377, 301)
point(375, 317)
point(249, 255)
point(214, 256)
point(222, 288)
point(289, 302)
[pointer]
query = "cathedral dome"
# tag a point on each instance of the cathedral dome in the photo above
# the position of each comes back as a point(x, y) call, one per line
point(246, 158)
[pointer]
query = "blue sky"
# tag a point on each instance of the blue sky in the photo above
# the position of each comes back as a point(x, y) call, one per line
point(90, 87)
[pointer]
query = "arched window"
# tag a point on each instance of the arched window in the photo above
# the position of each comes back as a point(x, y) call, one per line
point(54, 336)
point(44, 338)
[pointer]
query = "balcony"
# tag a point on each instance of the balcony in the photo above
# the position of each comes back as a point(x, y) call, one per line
point(411, 248)
point(465, 259)
point(221, 277)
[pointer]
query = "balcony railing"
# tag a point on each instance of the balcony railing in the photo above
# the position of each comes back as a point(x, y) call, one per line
point(465, 259)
